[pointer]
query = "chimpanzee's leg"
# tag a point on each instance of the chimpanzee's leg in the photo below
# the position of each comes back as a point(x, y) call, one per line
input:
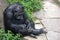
point(38, 31)
point(6, 29)
point(31, 25)
point(32, 30)
point(21, 28)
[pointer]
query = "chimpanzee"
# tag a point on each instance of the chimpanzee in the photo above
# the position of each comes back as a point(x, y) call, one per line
point(16, 20)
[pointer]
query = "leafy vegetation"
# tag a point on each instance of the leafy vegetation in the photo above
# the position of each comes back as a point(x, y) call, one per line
point(9, 35)
point(30, 6)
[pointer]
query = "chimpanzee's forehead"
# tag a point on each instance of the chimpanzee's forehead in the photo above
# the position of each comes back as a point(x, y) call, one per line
point(19, 6)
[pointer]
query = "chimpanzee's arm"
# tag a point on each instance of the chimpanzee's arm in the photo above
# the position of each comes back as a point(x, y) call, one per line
point(26, 18)
point(28, 22)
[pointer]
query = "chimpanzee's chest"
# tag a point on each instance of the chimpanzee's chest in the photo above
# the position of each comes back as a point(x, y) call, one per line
point(21, 21)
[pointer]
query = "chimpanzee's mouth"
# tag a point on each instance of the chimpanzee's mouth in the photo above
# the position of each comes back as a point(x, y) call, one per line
point(20, 17)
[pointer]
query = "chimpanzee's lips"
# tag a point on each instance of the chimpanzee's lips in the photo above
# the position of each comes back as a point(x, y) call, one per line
point(19, 17)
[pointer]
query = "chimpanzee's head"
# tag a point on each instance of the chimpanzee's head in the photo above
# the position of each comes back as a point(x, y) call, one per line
point(18, 11)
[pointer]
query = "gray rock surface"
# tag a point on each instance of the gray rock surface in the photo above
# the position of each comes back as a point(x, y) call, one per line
point(50, 10)
point(40, 37)
point(52, 24)
point(3, 5)
point(53, 35)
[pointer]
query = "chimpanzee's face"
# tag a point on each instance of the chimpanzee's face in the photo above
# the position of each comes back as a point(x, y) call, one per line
point(18, 12)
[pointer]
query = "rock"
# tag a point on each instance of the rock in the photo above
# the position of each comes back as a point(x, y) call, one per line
point(51, 10)
point(52, 24)
point(37, 21)
point(53, 35)
point(38, 26)
point(3, 5)
point(40, 37)
point(39, 14)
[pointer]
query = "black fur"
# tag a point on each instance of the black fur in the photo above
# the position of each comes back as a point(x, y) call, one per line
point(16, 20)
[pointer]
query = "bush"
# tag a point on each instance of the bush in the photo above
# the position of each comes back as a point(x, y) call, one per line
point(30, 6)
point(8, 36)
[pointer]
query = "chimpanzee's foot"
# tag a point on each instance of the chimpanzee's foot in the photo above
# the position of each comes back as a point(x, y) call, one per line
point(39, 31)
point(42, 30)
